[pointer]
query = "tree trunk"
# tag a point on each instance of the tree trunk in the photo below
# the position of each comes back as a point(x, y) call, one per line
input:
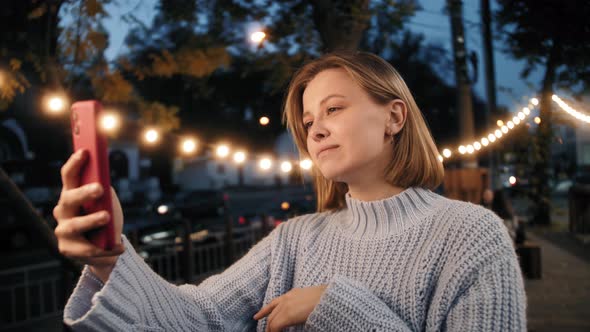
point(341, 23)
point(541, 192)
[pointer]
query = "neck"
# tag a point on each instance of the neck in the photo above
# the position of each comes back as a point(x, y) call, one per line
point(387, 216)
point(373, 191)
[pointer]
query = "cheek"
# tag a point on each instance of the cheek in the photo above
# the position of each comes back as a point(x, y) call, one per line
point(366, 143)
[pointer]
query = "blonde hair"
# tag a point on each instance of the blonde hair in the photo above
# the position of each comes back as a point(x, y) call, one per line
point(415, 156)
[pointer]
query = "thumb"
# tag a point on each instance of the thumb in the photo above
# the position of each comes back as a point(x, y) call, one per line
point(117, 216)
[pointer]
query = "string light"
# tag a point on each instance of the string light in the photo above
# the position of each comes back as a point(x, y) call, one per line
point(264, 121)
point(56, 104)
point(239, 157)
point(286, 167)
point(495, 134)
point(568, 109)
point(222, 151)
point(265, 164)
point(306, 164)
point(151, 136)
point(109, 122)
point(189, 145)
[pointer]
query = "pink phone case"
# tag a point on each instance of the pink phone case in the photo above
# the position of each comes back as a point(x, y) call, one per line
point(86, 134)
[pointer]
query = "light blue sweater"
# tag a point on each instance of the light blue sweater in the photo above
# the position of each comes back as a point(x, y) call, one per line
point(412, 262)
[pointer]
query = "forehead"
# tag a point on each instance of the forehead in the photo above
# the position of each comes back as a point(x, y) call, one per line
point(328, 82)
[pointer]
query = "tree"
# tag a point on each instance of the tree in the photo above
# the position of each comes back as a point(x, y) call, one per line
point(550, 35)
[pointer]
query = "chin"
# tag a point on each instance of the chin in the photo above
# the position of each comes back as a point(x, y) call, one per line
point(335, 174)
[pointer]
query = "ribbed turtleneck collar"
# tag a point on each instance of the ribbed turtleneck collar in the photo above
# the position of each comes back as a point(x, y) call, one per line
point(392, 215)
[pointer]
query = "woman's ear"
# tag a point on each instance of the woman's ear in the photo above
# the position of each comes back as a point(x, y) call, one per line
point(397, 115)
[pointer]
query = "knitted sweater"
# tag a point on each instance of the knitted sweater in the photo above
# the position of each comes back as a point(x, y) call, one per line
point(412, 262)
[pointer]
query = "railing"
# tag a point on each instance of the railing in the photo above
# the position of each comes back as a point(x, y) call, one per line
point(30, 293)
point(206, 259)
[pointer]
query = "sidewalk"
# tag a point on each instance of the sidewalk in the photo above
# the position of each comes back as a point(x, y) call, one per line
point(560, 301)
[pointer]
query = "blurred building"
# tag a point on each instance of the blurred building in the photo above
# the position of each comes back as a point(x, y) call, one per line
point(210, 172)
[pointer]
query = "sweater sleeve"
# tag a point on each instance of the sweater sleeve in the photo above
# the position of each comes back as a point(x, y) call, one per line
point(495, 301)
point(135, 298)
point(347, 305)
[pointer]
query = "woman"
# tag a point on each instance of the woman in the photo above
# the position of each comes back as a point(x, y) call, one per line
point(383, 252)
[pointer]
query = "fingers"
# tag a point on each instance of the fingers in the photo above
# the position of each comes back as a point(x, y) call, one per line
point(87, 252)
point(77, 226)
point(70, 171)
point(71, 200)
point(266, 309)
point(274, 321)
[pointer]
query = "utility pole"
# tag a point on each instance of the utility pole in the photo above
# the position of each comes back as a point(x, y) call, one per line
point(464, 102)
point(490, 82)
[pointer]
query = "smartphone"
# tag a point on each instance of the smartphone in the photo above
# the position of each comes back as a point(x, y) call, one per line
point(86, 134)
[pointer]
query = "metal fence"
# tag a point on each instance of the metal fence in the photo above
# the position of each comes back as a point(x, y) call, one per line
point(30, 293)
point(34, 293)
point(171, 261)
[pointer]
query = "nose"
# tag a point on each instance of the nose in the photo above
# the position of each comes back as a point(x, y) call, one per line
point(318, 131)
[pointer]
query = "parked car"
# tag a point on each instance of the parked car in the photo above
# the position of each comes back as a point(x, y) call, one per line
point(193, 204)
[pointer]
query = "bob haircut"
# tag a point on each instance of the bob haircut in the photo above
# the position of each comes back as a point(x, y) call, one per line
point(415, 156)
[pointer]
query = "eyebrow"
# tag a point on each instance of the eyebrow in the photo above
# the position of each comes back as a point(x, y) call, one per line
point(323, 101)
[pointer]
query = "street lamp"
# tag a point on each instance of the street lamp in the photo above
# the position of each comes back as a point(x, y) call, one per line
point(257, 37)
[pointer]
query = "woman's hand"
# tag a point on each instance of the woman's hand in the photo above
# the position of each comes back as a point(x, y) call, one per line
point(71, 227)
point(291, 308)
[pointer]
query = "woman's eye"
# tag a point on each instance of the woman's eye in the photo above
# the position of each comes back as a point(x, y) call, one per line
point(332, 109)
point(307, 125)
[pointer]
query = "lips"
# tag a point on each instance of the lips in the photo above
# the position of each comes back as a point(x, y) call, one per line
point(326, 148)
